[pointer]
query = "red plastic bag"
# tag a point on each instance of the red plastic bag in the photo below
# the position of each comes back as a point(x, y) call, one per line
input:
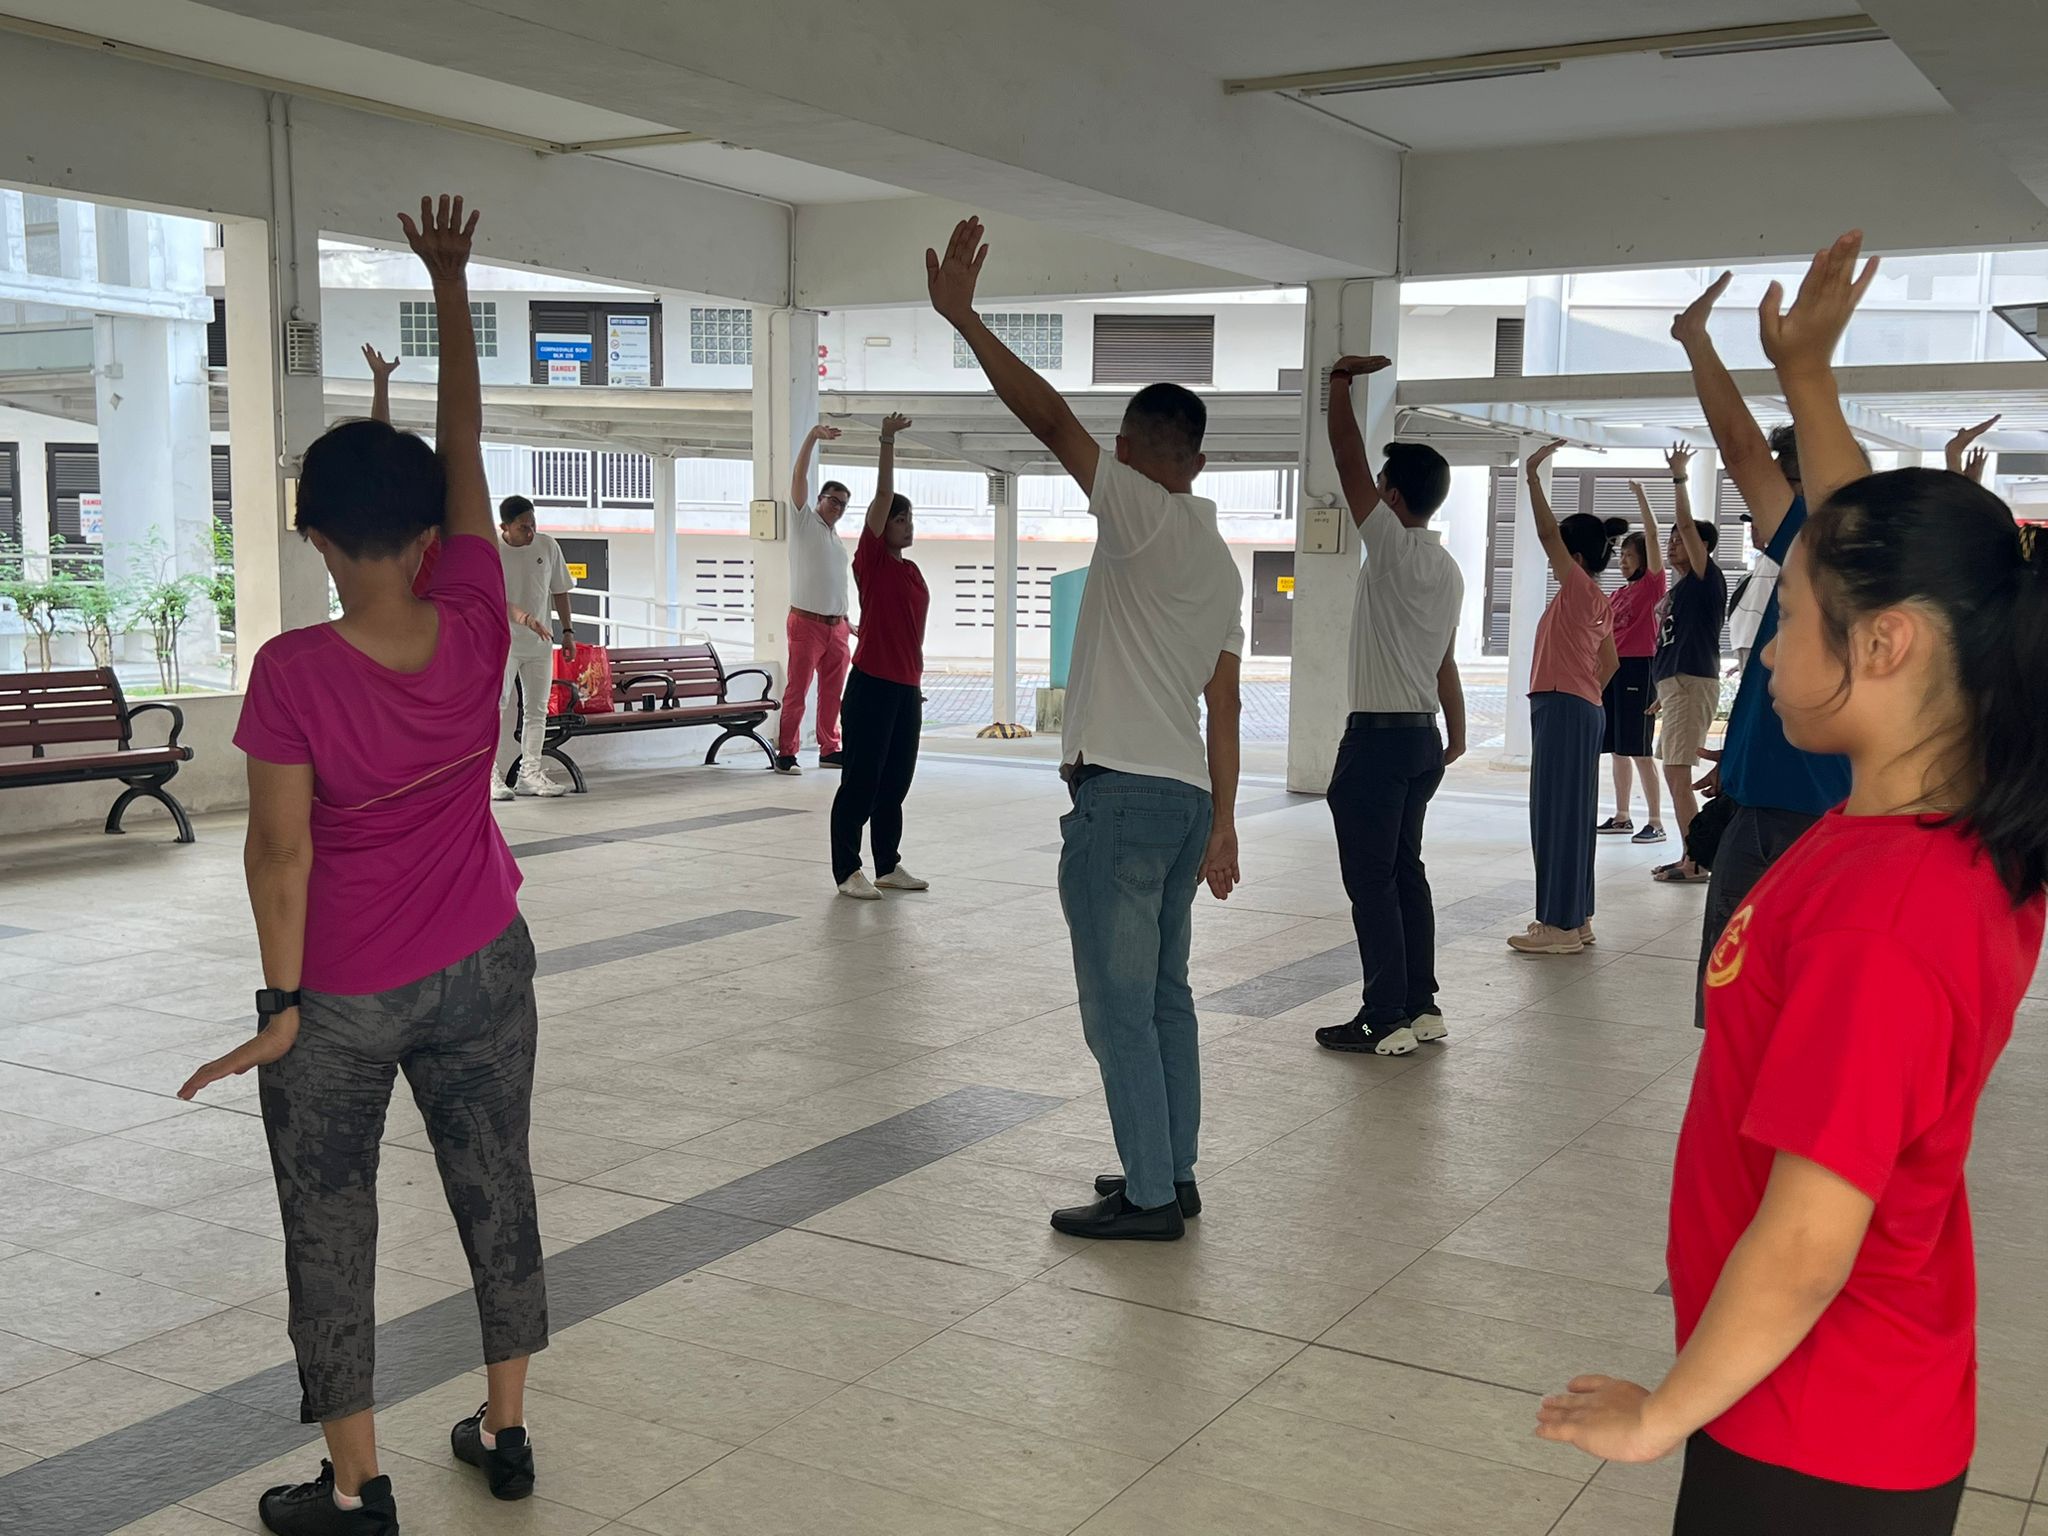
point(591, 671)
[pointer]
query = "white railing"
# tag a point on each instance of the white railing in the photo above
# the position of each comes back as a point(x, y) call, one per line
point(625, 618)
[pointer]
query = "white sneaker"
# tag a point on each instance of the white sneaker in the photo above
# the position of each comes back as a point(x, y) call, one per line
point(1586, 936)
point(859, 887)
point(1428, 1026)
point(901, 879)
point(1542, 939)
point(500, 790)
point(535, 780)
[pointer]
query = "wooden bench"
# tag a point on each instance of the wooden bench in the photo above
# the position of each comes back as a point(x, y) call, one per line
point(86, 713)
point(664, 687)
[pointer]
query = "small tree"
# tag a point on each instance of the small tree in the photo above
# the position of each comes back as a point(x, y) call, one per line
point(41, 605)
point(98, 608)
point(220, 586)
point(164, 601)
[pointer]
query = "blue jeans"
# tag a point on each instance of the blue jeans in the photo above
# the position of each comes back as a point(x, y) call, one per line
point(1132, 849)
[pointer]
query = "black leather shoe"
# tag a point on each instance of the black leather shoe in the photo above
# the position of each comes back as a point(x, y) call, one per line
point(508, 1464)
point(308, 1509)
point(1184, 1192)
point(1113, 1216)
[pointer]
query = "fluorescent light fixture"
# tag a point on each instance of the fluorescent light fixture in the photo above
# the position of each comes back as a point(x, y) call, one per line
point(1433, 77)
point(1871, 34)
point(2026, 319)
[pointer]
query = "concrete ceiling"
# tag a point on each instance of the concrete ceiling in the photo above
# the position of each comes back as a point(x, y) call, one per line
point(1989, 69)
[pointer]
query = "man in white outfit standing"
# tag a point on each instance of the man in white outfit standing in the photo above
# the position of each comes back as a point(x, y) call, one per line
point(536, 577)
point(818, 595)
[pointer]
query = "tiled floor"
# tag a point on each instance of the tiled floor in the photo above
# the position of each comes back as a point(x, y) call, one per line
point(796, 1155)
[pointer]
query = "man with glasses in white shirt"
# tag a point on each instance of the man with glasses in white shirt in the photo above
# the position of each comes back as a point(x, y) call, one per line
point(819, 573)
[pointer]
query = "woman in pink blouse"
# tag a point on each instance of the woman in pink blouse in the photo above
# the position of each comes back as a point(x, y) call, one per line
point(1574, 659)
point(1630, 693)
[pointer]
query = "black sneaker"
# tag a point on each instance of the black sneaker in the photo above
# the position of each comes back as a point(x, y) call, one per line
point(1651, 833)
point(831, 759)
point(308, 1509)
point(786, 764)
point(1113, 1217)
point(1185, 1195)
point(508, 1464)
point(1354, 1038)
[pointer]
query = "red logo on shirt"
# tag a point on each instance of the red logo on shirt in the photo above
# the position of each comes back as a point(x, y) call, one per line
point(1726, 962)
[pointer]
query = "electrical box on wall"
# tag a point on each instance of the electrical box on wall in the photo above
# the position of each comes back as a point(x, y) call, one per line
point(1322, 527)
point(764, 521)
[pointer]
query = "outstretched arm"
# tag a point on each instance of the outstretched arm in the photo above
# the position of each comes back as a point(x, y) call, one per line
point(381, 369)
point(1347, 443)
point(1653, 541)
point(885, 478)
point(800, 477)
point(441, 241)
point(1959, 445)
point(1680, 460)
point(1031, 399)
point(1801, 345)
point(1744, 449)
point(1561, 562)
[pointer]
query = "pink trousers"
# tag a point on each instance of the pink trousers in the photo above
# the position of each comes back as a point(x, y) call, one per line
point(818, 651)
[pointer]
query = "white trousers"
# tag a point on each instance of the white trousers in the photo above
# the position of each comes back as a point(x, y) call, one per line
point(534, 673)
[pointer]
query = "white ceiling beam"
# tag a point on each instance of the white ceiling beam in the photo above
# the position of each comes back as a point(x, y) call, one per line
point(1989, 69)
point(1891, 379)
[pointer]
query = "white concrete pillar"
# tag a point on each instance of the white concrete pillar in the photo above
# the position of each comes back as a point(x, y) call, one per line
point(668, 587)
point(1003, 493)
point(1527, 594)
point(1344, 316)
point(785, 409)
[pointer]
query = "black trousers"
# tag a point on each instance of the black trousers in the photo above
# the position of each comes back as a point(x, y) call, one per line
point(1752, 842)
point(1723, 1493)
point(1378, 796)
point(881, 722)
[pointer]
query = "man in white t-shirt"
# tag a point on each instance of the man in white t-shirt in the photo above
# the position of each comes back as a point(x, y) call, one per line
point(536, 577)
point(1160, 631)
point(819, 569)
point(1392, 760)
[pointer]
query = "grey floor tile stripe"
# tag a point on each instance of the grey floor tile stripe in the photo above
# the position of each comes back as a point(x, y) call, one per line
point(123, 1476)
point(648, 941)
point(13, 933)
point(1286, 801)
point(539, 846)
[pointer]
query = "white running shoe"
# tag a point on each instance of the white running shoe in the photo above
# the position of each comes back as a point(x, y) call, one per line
point(535, 780)
point(1428, 1026)
point(859, 887)
point(1542, 939)
point(500, 790)
point(901, 879)
point(1586, 936)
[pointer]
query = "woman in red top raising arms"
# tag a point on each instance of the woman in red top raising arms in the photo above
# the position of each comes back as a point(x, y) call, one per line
point(1820, 1252)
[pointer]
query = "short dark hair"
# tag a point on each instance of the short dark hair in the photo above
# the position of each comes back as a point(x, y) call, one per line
point(899, 505)
point(1166, 421)
point(370, 489)
point(1710, 535)
point(836, 485)
point(1592, 539)
point(1785, 449)
point(1420, 474)
point(512, 508)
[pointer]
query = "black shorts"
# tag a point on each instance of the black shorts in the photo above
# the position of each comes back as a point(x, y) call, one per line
point(1723, 1492)
point(1629, 694)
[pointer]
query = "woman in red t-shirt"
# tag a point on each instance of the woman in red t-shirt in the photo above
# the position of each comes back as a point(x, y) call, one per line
point(1626, 701)
point(884, 694)
point(1820, 1254)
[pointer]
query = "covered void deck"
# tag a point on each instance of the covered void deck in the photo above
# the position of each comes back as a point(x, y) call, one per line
point(1395, 1257)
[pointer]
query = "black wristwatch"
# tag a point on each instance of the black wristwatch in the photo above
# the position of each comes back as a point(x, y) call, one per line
point(271, 1001)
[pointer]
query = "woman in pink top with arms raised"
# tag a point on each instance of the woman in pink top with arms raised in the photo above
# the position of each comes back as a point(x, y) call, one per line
point(386, 911)
point(1574, 659)
point(1625, 735)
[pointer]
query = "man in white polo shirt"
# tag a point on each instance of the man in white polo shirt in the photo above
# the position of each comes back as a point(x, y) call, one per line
point(536, 578)
point(1392, 760)
point(818, 631)
point(1160, 631)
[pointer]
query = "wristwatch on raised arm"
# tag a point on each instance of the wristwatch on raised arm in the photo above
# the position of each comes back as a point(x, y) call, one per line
point(272, 1001)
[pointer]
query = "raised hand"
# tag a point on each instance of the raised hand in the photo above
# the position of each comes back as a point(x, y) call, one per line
point(892, 424)
point(1356, 367)
point(267, 1045)
point(1964, 437)
point(441, 238)
point(1803, 338)
point(1968, 435)
point(1680, 459)
point(381, 367)
point(825, 434)
point(1690, 324)
point(951, 280)
point(1975, 466)
point(1541, 456)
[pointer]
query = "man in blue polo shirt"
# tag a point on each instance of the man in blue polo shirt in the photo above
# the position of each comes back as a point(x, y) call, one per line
point(1778, 790)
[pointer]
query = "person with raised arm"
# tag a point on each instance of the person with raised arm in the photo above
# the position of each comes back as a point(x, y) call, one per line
point(818, 630)
point(1568, 675)
point(387, 915)
point(1778, 790)
point(1628, 698)
point(1965, 459)
point(1686, 670)
point(884, 696)
point(381, 369)
point(1820, 1250)
point(1404, 625)
point(1160, 633)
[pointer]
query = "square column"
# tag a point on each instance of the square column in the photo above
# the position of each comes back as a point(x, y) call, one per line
point(1345, 315)
point(785, 410)
point(668, 595)
point(1002, 485)
point(1528, 592)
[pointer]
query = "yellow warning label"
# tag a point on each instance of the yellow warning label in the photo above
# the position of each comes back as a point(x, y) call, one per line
point(1284, 584)
point(580, 570)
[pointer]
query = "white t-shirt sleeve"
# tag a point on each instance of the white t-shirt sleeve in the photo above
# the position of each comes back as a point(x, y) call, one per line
point(1381, 534)
point(1127, 507)
point(1233, 638)
point(559, 579)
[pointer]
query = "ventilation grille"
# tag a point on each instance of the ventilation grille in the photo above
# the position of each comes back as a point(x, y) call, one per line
point(302, 348)
point(1149, 349)
point(1507, 347)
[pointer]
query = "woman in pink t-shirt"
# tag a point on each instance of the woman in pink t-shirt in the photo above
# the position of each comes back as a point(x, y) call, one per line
point(1625, 734)
point(386, 912)
point(1568, 675)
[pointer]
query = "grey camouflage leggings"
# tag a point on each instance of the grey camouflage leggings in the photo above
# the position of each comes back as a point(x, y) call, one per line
point(465, 1037)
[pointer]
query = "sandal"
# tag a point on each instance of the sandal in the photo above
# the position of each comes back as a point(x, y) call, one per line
point(1674, 874)
point(1615, 824)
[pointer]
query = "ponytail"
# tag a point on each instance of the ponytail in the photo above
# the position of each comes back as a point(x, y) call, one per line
point(1591, 539)
point(1939, 540)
